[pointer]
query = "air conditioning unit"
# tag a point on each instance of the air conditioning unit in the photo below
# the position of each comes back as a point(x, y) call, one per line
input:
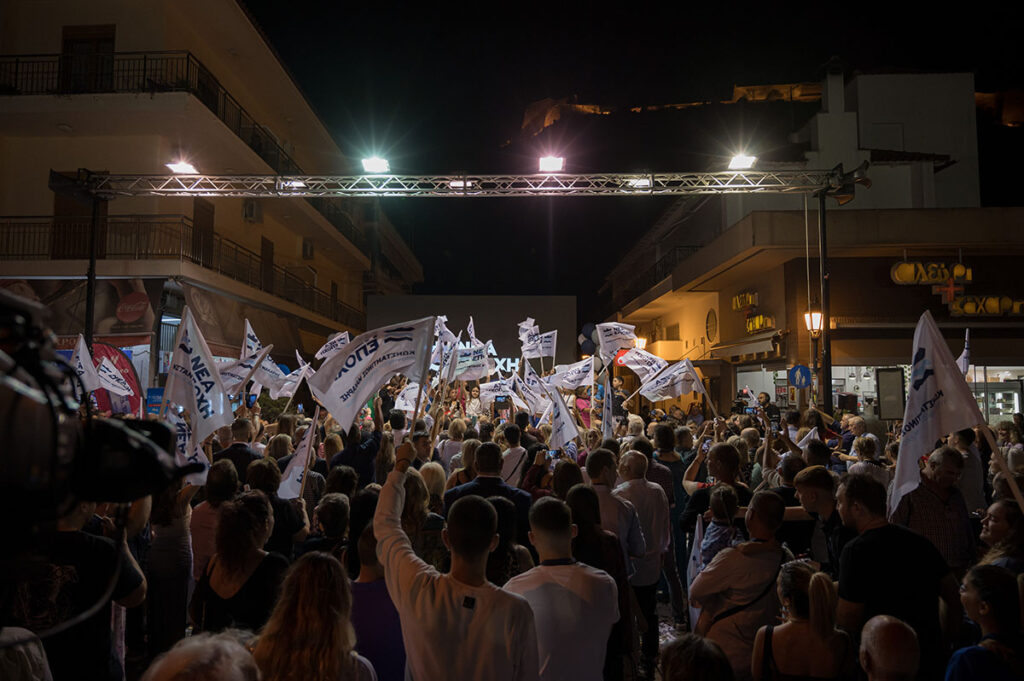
point(252, 211)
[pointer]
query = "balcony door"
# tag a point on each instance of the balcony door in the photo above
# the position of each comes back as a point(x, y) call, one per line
point(202, 232)
point(87, 59)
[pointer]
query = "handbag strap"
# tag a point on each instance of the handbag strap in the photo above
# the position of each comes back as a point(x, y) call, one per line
point(739, 608)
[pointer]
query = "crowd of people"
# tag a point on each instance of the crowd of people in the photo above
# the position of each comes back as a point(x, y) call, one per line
point(461, 545)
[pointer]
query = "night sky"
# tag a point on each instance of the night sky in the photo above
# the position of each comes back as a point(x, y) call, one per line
point(444, 90)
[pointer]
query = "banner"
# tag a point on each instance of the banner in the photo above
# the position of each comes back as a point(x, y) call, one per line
point(528, 328)
point(348, 379)
point(186, 448)
point(193, 381)
point(671, 382)
point(939, 402)
point(540, 345)
point(612, 337)
point(607, 417)
point(132, 402)
point(81, 362)
point(573, 376)
point(537, 402)
point(111, 379)
point(472, 363)
point(406, 400)
point(643, 363)
point(291, 477)
point(501, 388)
point(335, 343)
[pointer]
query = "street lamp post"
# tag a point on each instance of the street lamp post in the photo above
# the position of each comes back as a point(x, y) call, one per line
point(813, 321)
point(826, 319)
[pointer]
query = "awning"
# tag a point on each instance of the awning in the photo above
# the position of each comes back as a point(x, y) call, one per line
point(751, 345)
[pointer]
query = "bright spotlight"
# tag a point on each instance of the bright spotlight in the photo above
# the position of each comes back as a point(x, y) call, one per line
point(640, 183)
point(182, 168)
point(376, 164)
point(742, 162)
point(552, 164)
point(461, 184)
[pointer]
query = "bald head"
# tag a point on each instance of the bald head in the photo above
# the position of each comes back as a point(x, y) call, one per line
point(633, 465)
point(889, 650)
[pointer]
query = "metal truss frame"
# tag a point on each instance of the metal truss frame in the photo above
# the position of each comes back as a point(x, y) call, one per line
point(559, 184)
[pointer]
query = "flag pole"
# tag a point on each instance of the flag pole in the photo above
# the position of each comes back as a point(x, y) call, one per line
point(309, 451)
point(256, 365)
point(1003, 468)
point(625, 401)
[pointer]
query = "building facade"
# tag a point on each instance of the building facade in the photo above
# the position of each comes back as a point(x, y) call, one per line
point(726, 281)
point(128, 87)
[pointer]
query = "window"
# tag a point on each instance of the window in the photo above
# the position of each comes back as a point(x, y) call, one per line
point(307, 249)
point(87, 59)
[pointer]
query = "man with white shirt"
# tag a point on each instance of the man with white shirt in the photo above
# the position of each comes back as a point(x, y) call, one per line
point(495, 629)
point(617, 515)
point(651, 504)
point(574, 605)
point(513, 459)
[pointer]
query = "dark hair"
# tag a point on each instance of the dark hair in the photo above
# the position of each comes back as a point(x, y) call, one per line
point(552, 516)
point(332, 513)
point(817, 477)
point(598, 461)
point(793, 417)
point(864, 490)
point(342, 479)
point(488, 458)
point(396, 417)
point(791, 465)
point(367, 547)
point(644, 446)
point(241, 429)
point(486, 431)
point(692, 658)
point(221, 482)
point(239, 528)
point(472, 524)
point(727, 457)
point(680, 433)
point(165, 504)
point(512, 434)
point(813, 596)
point(420, 434)
point(967, 435)
point(724, 502)
point(264, 475)
point(566, 474)
point(769, 508)
point(361, 507)
point(421, 424)
point(612, 445)
point(818, 454)
point(286, 424)
point(522, 419)
point(664, 437)
point(587, 546)
point(997, 586)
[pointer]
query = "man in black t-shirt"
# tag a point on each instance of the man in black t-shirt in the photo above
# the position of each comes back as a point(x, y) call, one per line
point(238, 450)
point(78, 569)
point(815, 488)
point(890, 570)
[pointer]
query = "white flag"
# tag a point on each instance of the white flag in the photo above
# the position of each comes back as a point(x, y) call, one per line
point(335, 343)
point(193, 381)
point(528, 328)
point(612, 337)
point(563, 425)
point(607, 417)
point(291, 476)
point(348, 379)
point(492, 363)
point(406, 400)
point(501, 388)
point(81, 362)
point(234, 375)
point(964, 360)
point(290, 383)
point(471, 364)
point(471, 330)
point(643, 363)
point(251, 344)
point(751, 397)
point(441, 330)
point(671, 382)
point(536, 400)
point(573, 376)
point(111, 378)
point(187, 449)
point(939, 402)
point(540, 345)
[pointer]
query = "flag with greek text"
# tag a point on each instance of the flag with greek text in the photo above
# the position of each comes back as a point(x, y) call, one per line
point(345, 382)
point(563, 425)
point(81, 362)
point(471, 364)
point(964, 360)
point(643, 363)
point(112, 380)
point(540, 345)
point(672, 381)
point(573, 376)
point(187, 449)
point(607, 417)
point(612, 337)
point(335, 343)
point(939, 402)
point(528, 328)
point(291, 477)
point(193, 381)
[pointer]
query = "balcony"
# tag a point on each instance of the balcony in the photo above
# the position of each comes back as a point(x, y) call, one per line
point(646, 279)
point(164, 237)
point(154, 72)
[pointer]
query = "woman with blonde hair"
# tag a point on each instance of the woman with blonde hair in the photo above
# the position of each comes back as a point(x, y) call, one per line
point(279, 447)
point(421, 525)
point(453, 445)
point(434, 478)
point(807, 645)
point(309, 634)
point(468, 460)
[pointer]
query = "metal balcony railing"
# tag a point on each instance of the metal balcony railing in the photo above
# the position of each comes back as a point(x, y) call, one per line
point(645, 279)
point(152, 72)
point(164, 237)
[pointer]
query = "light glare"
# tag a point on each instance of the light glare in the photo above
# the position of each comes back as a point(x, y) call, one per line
point(183, 168)
point(461, 184)
point(641, 183)
point(742, 162)
point(375, 164)
point(812, 320)
point(552, 164)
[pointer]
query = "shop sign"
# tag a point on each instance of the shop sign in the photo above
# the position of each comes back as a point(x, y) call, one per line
point(744, 301)
point(923, 273)
point(760, 322)
point(986, 306)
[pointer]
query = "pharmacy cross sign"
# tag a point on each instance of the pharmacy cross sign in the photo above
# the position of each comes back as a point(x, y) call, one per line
point(948, 291)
